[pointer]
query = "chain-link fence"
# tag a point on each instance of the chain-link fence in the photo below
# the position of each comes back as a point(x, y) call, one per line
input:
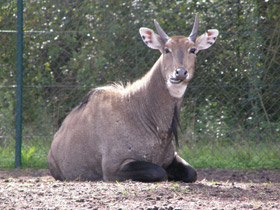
point(231, 112)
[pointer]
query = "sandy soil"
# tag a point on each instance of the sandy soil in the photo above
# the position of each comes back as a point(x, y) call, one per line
point(215, 189)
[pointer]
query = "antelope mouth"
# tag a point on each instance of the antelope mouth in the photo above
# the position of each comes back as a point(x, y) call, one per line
point(175, 80)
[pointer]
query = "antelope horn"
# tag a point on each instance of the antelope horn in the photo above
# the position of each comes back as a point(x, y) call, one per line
point(161, 33)
point(193, 34)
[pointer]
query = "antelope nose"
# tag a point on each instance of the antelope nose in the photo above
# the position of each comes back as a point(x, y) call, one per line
point(181, 73)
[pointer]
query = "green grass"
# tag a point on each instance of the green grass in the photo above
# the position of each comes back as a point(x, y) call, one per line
point(31, 156)
point(201, 154)
point(248, 155)
point(7, 158)
point(35, 157)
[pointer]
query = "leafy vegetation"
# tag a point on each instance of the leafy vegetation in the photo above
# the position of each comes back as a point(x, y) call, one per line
point(72, 46)
point(232, 155)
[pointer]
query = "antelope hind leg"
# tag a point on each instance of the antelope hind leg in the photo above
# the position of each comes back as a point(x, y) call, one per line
point(142, 171)
point(180, 170)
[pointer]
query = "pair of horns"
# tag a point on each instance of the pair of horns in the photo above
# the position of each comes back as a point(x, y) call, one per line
point(164, 37)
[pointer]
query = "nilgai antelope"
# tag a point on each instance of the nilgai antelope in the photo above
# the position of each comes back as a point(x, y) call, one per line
point(121, 133)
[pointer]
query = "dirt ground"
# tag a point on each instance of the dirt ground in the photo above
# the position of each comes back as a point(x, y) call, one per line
point(215, 189)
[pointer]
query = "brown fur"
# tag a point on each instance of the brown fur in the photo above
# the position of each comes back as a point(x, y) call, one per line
point(113, 125)
point(119, 132)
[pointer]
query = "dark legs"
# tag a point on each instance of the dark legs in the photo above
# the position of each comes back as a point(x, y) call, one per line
point(180, 170)
point(142, 171)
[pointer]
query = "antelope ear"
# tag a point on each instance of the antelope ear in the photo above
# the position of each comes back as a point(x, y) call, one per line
point(150, 38)
point(207, 39)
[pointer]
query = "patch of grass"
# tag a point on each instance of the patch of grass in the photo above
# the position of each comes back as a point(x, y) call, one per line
point(236, 151)
point(32, 156)
point(229, 155)
point(7, 157)
point(233, 155)
point(35, 156)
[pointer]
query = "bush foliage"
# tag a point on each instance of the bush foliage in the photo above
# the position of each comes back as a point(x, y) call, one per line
point(73, 46)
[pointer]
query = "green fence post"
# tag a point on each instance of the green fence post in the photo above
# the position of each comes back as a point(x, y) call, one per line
point(19, 83)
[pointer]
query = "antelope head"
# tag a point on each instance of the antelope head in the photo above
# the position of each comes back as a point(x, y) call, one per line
point(178, 54)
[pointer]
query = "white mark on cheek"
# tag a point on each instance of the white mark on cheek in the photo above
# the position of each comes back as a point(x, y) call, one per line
point(176, 90)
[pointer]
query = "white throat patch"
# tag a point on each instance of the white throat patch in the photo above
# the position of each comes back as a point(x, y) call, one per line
point(176, 90)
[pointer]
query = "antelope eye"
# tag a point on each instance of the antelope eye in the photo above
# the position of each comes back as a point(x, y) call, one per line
point(192, 50)
point(166, 50)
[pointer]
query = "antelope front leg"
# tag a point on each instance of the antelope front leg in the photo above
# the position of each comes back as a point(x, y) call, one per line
point(139, 171)
point(180, 170)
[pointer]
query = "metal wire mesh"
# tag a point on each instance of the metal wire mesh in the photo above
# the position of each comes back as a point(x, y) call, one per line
point(73, 46)
point(7, 83)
